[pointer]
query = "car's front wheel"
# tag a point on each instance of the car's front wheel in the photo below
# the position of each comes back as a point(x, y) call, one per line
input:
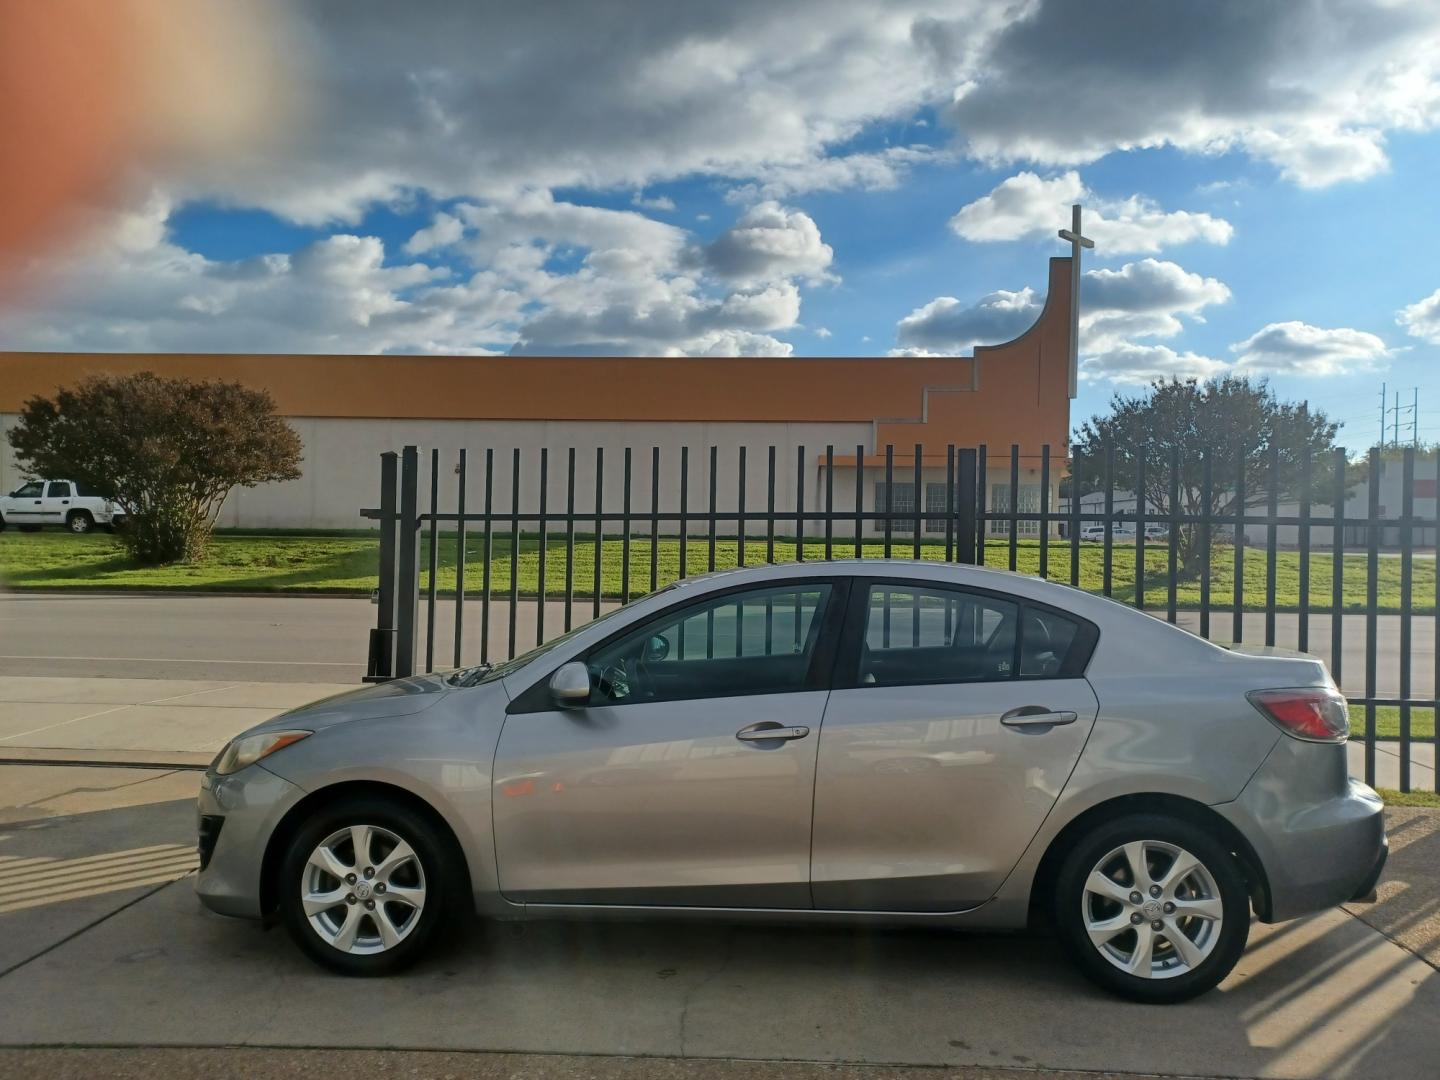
point(1153, 908)
point(365, 884)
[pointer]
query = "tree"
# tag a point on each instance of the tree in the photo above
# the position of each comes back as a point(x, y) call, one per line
point(1237, 426)
point(167, 451)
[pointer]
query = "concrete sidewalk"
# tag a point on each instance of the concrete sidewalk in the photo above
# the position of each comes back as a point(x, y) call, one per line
point(159, 716)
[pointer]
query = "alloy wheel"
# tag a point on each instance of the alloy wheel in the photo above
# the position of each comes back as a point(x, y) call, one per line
point(363, 889)
point(1152, 909)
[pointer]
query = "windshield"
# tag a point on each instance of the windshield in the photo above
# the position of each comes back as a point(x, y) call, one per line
point(479, 674)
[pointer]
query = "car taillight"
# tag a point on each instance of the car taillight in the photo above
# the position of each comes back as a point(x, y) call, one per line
point(1312, 713)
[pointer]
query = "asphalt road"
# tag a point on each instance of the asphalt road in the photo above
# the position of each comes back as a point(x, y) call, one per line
point(106, 959)
point(323, 639)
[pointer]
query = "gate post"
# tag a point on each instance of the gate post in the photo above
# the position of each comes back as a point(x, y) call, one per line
point(381, 664)
point(966, 466)
point(407, 584)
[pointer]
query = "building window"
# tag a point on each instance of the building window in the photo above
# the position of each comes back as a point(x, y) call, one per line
point(935, 504)
point(1000, 504)
point(901, 508)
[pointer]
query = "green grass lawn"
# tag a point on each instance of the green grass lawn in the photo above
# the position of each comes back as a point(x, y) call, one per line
point(1410, 798)
point(346, 562)
point(1387, 722)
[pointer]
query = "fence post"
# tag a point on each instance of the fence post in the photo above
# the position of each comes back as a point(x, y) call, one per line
point(381, 663)
point(966, 534)
point(407, 584)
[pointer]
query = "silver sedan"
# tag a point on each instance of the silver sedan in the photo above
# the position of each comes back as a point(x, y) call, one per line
point(863, 742)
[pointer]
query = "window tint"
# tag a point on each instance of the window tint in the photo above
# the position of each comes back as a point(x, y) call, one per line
point(752, 642)
point(32, 490)
point(922, 635)
point(1046, 641)
point(85, 491)
point(59, 490)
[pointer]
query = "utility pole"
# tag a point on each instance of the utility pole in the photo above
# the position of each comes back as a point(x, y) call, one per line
point(1397, 418)
point(1415, 418)
point(1382, 415)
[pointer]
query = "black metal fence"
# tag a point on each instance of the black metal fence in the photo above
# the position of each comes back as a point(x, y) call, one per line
point(1284, 566)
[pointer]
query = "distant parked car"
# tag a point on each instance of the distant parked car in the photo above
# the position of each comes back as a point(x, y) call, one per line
point(1157, 531)
point(871, 742)
point(57, 502)
point(1095, 530)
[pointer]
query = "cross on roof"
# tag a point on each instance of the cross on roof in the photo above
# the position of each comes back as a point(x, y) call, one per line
point(1077, 241)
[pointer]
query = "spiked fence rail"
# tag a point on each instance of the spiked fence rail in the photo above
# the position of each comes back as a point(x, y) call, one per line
point(959, 524)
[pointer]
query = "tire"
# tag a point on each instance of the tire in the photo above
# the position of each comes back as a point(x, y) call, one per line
point(1214, 886)
point(79, 522)
point(432, 867)
point(2, 523)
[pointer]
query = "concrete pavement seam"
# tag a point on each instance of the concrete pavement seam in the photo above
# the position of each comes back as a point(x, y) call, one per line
point(1019, 1070)
point(91, 925)
point(1393, 940)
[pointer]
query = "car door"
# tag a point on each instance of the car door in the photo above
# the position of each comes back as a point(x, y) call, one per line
point(956, 719)
point(665, 789)
point(59, 494)
point(25, 504)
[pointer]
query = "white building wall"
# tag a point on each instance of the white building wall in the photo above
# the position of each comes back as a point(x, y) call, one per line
point(340, 472)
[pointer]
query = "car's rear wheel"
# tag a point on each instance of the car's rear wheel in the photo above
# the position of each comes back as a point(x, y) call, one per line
point(1152, 908)
point(365, 884)
point(79, 521)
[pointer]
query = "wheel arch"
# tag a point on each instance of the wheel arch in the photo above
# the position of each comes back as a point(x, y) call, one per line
point(1197, 813)
point(285, 829)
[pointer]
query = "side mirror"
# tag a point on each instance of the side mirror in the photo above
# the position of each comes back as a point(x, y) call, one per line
point(570, 685)
point(656, 649)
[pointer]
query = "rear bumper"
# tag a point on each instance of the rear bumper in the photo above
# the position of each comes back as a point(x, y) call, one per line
point(1320, 838)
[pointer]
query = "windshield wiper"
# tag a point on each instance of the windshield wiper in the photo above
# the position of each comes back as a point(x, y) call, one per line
point(469, 676)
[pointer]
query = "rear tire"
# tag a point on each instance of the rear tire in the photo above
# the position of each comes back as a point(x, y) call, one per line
point(371, 924)
point(1183, 934)
point(79, 522)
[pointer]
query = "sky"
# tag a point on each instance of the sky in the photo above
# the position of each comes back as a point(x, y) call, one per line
point(818, 177)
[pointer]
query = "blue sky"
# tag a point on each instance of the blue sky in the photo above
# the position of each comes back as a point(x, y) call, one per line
point(830, 179)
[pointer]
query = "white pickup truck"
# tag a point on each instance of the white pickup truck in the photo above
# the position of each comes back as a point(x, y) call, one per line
point(57, 502)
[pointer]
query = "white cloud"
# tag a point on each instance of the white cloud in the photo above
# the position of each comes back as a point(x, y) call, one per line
point(1297, 348)
point(878, 171)
point(442, 232)
point(1311, 86)
point(947, 326)
point(656, 202)
point(640, 287)
point(1137, 365)
point(821, 332)
point(1422, 318)
point(769, 242)
point(1143, 299)
point(1147, 298)
point(1027, 207)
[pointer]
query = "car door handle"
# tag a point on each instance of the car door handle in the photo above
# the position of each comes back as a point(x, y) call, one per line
point(1036, 716)
point(767, 730)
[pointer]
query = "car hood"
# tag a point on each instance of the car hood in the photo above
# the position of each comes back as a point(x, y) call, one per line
point(397, 697)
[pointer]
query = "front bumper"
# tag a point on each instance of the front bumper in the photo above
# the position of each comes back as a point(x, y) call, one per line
point(1319, 836)
point(237, 815)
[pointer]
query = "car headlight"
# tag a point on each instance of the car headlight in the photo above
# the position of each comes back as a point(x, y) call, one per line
point(249, 749)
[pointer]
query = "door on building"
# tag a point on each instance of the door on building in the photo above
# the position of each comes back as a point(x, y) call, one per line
point(956, 719)
point(666, 788)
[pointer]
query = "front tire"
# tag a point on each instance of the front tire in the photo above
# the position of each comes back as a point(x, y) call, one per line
point(365, 884)
point(1152, 908)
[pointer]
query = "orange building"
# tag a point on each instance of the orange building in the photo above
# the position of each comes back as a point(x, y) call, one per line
point(348, 409)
